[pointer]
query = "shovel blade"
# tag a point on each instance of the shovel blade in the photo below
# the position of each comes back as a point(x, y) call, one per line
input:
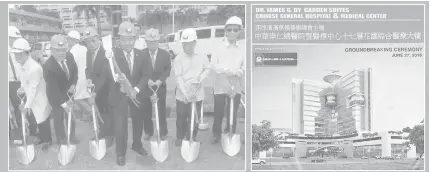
point(66, 154)
point(25, 154)
point(190, 150)
point(231, 144)
point(98, 150)
point(160, 150)
point(203, 126)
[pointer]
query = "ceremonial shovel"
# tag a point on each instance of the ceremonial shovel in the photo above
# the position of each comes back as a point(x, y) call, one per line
point(67, 151)
point(159, 148)
point(202, 124)
point(231, 142)
point(190, 149)
point(24, 153)
point(97, 146)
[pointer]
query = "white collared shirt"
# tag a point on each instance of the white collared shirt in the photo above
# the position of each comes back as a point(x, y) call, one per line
point(228, 57)
point(189, 69)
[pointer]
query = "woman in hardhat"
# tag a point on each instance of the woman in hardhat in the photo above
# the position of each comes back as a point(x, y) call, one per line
point(227, 62)
point(190, 68)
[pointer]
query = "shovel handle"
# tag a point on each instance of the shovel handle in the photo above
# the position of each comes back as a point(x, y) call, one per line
point(231, 114)
point(24, 140)
point(193, 111)
point(157, 120)
point(95, 123)
point(152, 89)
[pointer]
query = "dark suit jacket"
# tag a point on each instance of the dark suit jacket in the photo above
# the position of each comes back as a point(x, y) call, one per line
point(138, 78)
point(101, 76)
point(161, 70)
point(57, 84)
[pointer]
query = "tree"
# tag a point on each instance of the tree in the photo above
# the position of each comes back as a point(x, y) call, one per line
point(92, 10)
point(416, 137)
point(28, 8)
point(263, 137)
point(407, 129)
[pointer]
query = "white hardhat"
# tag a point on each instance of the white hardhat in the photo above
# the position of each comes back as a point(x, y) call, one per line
point(234, 20)
point(14, 32)
point(189, 35)
point(20, 45)
point(74, 34)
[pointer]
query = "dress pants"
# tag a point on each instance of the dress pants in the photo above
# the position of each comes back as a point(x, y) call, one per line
point(147, 115)
point(183, 119)
point(60, 123)
point(106, 128)
point(221, 109)
point(120, 126)
point(33, 126)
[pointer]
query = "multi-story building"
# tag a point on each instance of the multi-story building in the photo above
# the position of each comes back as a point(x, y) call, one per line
point(350, 108)
point(72, 21)
point(305, 106)
point(34, 27)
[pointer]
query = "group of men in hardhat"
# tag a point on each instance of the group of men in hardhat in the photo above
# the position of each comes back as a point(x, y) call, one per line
point(53, 87)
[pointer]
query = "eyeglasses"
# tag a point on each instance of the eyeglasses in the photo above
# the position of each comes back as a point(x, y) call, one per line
point(232, 30)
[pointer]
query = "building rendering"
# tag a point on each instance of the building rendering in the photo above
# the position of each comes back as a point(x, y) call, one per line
point(334, 118)
point(341, 105)
point(305, 107)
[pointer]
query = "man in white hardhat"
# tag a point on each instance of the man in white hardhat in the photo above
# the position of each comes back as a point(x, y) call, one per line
point(34, 87)
point(98, 73)
point(132, 66)
point(229, 66)
point(14, 81)
point(82, 95)
point(190, 68)
point(61, 75)
point(159, 70)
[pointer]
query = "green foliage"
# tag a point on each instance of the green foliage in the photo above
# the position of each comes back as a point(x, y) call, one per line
point(416, 137)
point(264, 137)
point(155, 19)
point(407, 129)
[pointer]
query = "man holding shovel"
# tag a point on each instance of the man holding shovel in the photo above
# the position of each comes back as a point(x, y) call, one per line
point(228, 64)
point(129, 64)
point(190, 68)
point(159, 67)
point(61, 75)
point(98, 73)
point(33, 85)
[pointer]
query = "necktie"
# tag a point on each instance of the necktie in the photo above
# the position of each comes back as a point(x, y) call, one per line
point(66, 70)
point(93, 55)
point(153, 59)
point(129, 62)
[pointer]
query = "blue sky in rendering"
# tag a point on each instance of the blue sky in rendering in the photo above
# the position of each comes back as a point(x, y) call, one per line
point(398, 83)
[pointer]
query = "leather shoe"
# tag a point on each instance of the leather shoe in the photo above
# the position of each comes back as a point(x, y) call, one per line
point(120, 160)
point(39, 141)
point(215, 140)
point(140, 151)
point(74, 141)
point(146, 137)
